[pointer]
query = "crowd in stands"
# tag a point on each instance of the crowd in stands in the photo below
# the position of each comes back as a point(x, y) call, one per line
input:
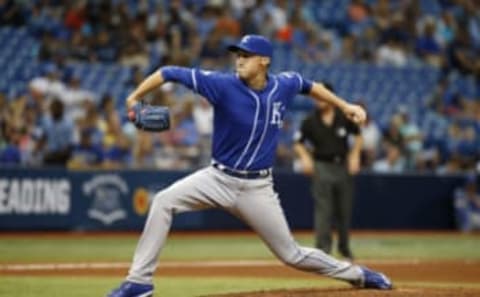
point(58, 122)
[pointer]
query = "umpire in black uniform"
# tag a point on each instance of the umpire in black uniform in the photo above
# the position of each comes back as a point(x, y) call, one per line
point(323, 147)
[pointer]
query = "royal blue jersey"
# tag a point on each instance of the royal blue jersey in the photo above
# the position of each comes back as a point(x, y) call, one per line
point(246, 121)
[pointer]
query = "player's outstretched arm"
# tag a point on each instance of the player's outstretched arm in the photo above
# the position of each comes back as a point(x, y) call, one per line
point(150, 83)
point(353, 112)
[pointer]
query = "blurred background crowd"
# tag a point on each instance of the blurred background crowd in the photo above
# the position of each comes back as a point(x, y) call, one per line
point(67, 67)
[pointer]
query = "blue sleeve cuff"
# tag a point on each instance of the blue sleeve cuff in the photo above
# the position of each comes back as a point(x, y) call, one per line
point(167, 73)
point(306, 87)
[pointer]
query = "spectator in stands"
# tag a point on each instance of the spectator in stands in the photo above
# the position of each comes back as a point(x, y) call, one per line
point(439, 96)
point(91, 121)
point(393, 135)
point(452, 165)
point(412, 138)
point(143, 151)
point(186, 136)
point(10, 153)
point(203, 118)
point(11, 13)
point(446, 28)
point(73, 97)
point(348, 47)
point(311, 52)
point(278, 12)
point(212, 55)
point(358, 17)
point(241, 8)
point(78, 48)
point(473, 22)
point(85, 154)
point(49, 47)
point(75, 15)
point(371, 135)
point(397, 31)
point(467, 205)
point(181, 38)
point(109, 115)
point(467, 148)
point(119, 16)
point(105, 48)
point(118, 153)
point(392, 52)
point(330, 47)
point(427, 47)
point(393, 162)
point(382, 15)
point(366, 45)
point(267, 27)
point(207, 21)
point(4, 115)
point(428, 160)
point(228, 27)
point(134, 53)
point(247, 23)
point(48, 86)
point(60, 132)
point(35, 154)
point(461, 54)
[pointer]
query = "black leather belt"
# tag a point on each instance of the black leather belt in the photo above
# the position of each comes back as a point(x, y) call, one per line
point(243, 173)
point(330, 159)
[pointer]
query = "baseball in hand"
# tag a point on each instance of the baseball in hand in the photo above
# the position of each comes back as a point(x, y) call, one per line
point(357, 118)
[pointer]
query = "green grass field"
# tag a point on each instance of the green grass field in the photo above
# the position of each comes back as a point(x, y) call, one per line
point(49, 249)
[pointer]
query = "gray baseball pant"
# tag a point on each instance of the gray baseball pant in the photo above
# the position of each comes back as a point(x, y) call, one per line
point(252, 200)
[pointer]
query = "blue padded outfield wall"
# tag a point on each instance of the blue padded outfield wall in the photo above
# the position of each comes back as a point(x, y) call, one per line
point(58, 199)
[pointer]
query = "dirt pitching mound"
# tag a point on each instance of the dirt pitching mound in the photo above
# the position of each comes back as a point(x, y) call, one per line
point(348, 292)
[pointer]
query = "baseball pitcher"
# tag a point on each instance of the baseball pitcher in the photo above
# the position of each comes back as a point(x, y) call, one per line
point(249, 106)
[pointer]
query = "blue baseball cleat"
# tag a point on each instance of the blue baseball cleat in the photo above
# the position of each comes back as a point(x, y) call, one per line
point(130, 289)
point(375, 280)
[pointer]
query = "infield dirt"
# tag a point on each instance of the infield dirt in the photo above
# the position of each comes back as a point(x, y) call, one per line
point(442, 272)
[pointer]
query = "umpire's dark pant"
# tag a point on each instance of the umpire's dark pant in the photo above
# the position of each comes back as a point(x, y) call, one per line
point(333, 193)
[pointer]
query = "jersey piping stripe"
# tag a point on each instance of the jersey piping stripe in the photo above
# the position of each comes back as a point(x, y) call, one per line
point(194, 80)
point(252, 133)
point(300, 80)
point(265, 127)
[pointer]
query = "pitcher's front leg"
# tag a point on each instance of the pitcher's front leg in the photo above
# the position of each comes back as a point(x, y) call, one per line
point(262, 211)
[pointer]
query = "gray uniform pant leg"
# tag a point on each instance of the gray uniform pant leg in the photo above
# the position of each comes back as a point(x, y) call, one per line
point(343, 212)
point(322, 191)
point(254, 201)
point(332, 190)
point(258, 205)
point(200, 190)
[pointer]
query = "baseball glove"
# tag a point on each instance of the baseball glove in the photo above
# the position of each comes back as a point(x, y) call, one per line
point(149, 117)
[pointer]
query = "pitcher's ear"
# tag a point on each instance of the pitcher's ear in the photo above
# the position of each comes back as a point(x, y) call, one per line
point(265, 61)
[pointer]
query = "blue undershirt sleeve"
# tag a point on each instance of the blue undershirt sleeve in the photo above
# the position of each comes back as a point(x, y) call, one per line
point(305, 85)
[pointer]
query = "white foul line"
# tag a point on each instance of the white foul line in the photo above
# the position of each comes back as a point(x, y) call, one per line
point(184, 264)
point(122, 265)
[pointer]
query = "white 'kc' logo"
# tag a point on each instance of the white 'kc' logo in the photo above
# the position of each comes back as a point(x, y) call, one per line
point(277, 114)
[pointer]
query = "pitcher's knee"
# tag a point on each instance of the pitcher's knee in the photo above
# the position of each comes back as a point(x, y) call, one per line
point(162, 202)
point(291, 258)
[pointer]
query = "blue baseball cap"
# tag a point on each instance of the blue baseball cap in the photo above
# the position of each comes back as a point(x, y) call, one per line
point(253, 44)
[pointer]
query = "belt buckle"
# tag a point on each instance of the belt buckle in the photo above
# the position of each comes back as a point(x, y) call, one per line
point(241, 173)
point(263, 173)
